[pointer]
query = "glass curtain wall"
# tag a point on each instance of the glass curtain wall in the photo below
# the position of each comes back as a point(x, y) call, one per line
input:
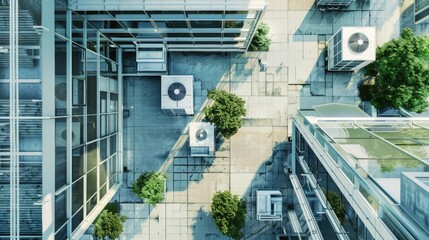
point(20, 122)
point(86, 103)
point(345, 213)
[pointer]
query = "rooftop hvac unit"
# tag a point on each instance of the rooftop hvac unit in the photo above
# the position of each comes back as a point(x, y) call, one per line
point(151, 58)
point(351, 48)
point(201, 139)
point(269, 205)
point(177, 94)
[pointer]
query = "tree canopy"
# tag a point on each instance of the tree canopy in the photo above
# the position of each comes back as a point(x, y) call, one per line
point(226, 112)
point(229, 213)
point(109, 225)
point(261, 41)
point(401, 72)
point(150, 187)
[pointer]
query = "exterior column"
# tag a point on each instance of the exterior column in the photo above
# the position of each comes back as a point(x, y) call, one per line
point(47, 52)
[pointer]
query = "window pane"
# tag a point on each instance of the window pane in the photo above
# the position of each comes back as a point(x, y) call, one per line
point(91, 182)
point(113, 102)
point(91, 94)
point(77, 195)
point(78, 163)
point(61, 234)
point(60, 210)
point(60, 78)
point(103, 191)
point(77, 219)
point(233, 24)
point(206, 24)
point(103, 102)
point(103, 128)
point(113, 123)
point(60, 152)
point(92, 156)
point(91, 204)
point(113, 144)
point(103, 149)
point(91, 128)
point(103, 173)
point(77, 131)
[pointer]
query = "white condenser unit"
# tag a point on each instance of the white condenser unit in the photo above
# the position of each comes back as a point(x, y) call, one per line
point(177, 94)
point(201, 139)
point(351, 48)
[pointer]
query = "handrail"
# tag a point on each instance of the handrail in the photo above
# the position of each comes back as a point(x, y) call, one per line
point(306, 210)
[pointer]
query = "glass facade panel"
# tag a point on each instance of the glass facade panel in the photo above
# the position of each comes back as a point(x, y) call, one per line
point(233, 24)
point(103, 173)
point(77, 29)
point(77, 195)
point(92, 156)
point(60, 210)
point(113, 102)
point(113, 123)
point(61, 234)
point(206, 24)
point(77, 219)
point(103, 191)
point(77, 131)
point(113, 144)
point(103, 149)
point(60, 152)
point(60, 18)
point(91, 93)
point(60, 77)
point(91, 183)
point(103, 127)
point(78, 162)
point(91, 204)
point(91, 128)
point(103, 102)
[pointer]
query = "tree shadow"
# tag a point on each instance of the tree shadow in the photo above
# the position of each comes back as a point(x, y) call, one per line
point(204, 227)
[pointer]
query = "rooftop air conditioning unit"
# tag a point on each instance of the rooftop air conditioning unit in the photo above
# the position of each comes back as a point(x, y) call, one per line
point(269, 205)
point(177, 94)
point(351, 48)
point(201, 139)
point(151, 58)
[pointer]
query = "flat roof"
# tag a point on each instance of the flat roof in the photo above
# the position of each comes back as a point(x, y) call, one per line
point(382, 149)
point(339, 110)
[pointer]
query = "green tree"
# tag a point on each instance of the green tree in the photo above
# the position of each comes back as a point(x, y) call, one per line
point(226, 112)
point(336, 205)
point(150, 187)
point(229, 213)
point(109, 225)
point(261, 41)
point(401, 72)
